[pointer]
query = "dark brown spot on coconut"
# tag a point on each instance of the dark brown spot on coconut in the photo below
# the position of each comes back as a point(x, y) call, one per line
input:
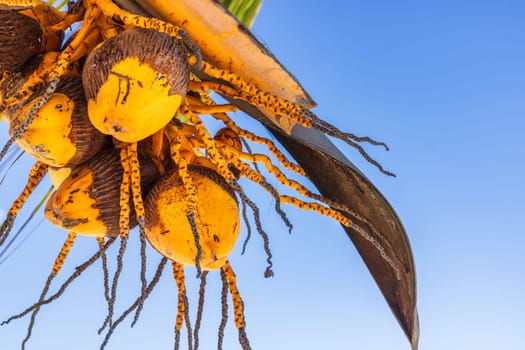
point(117, 20)
point(70, 198)
point(20, 40)
point(73, 222)
point(116, 128)
point(128, 86)
point(160, 51)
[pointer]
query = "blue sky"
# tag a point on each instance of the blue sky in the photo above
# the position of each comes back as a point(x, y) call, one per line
point(442, 83)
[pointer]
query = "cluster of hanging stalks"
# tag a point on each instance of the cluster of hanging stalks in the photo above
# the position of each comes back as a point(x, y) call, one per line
point(115, 116)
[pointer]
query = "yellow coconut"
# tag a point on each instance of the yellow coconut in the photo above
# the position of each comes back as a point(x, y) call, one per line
point(217, 218)
point(24, 33)
point(20, 39)
point(135, 83)
point(58, 175)
point(61, 134)
point(87, 201)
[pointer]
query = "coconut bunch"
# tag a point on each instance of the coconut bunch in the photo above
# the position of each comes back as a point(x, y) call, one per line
point(121, 81)
point(119, 109)
point(102, 121)
point(127, 89)
point(113, 114)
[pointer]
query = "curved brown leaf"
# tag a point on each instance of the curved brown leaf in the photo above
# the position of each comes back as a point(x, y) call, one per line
point(338, 179)
point(346, 184)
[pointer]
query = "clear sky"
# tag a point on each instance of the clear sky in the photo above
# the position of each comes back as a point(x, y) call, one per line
point(442, 82)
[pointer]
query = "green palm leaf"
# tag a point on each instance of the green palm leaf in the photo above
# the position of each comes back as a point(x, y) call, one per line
point(244, 10)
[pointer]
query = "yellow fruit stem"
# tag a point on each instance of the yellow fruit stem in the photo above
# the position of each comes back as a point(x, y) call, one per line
point(318, 208)
point(178, 276)
point(21, 3)
point(36, 174)
point(124, 194)
point(64, 252)
point(249, 135)
point(238, 305)
point(209, 144)
point(111, 10)
point(135, 181)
